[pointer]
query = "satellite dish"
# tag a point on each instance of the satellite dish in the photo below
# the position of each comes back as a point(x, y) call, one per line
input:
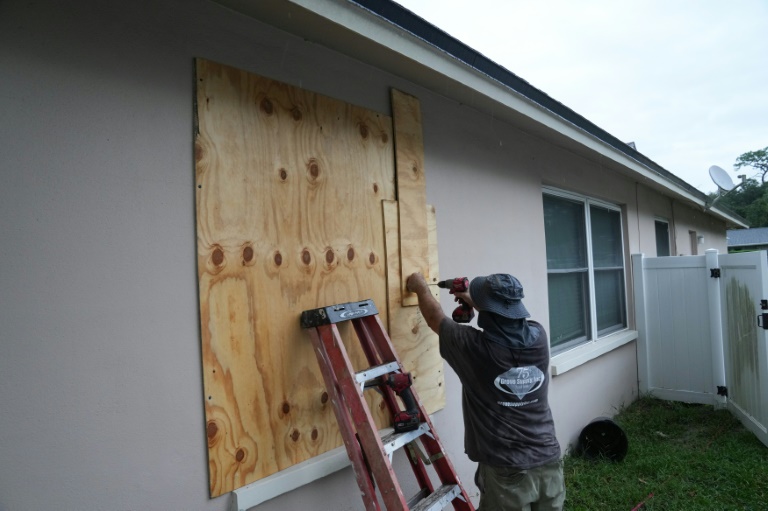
point(721, 178)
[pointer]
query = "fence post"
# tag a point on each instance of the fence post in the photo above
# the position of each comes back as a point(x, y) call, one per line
point(716, 328)
point(643, 368)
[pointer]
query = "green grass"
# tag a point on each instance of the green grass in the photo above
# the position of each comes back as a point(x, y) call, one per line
point(680, 457)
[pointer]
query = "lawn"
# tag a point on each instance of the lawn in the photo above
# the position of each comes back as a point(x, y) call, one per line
point(680, 457)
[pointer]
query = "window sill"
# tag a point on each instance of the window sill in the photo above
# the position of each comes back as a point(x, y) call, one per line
point(571, 359)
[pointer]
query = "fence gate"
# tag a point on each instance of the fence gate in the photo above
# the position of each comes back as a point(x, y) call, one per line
point(744, 295)
point(701, 330)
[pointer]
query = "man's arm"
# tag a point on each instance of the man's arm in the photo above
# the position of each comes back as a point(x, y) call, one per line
point(429, 307)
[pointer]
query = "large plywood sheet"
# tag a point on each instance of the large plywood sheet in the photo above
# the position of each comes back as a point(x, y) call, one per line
point(289, 189)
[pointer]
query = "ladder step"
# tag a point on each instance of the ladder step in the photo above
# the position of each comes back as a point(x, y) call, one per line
point(439, 499)
point(394, 441)
point(376, 371)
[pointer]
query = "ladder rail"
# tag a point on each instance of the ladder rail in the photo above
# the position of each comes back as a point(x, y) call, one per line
point(367, 431)
point(370, 328)
point(371, 456)
point(354, 449)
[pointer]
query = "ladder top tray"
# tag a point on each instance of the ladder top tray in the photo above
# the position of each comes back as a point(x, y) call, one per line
point(337, 313)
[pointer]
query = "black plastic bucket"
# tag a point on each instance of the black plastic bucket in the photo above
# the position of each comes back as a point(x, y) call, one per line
point(602, 439)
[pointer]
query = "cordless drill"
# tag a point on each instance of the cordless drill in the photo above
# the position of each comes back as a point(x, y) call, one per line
point(463, 313)
point(410, 418)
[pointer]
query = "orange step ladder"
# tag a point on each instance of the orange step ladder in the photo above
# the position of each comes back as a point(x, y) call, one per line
point(369, 452)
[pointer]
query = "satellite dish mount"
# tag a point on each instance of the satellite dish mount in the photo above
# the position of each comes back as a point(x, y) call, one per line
point(724, 184)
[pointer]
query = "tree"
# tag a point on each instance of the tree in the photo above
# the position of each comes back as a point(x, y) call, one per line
point(755, 159)
point(749, 201)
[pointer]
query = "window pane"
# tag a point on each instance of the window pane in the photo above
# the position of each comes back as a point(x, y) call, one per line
point(564, 228)
point(606, 237)
point(662, 239)
point(609, 301)
point(568, 307)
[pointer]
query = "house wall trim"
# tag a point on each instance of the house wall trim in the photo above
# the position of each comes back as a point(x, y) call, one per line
point(580, 355)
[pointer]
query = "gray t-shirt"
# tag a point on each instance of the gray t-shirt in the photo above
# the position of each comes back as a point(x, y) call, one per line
point(507, 418)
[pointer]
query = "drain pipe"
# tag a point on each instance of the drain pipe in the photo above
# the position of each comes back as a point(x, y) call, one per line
point(716, 329)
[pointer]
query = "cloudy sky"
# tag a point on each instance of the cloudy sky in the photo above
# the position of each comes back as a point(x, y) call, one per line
point(686, 80)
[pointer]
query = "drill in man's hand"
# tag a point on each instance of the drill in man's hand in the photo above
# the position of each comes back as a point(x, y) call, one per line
point(464, 312)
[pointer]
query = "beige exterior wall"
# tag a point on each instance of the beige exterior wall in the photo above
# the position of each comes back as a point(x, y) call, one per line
point(100, 353)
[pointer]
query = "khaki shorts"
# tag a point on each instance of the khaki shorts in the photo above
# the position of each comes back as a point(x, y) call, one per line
point(508, 489)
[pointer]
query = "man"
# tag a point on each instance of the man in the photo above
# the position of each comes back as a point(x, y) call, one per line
point(503, 368)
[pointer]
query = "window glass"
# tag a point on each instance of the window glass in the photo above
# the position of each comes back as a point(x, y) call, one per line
point(606, 237)
point(568, 309)
point(662, 238)
point(585, 267)
point(565, 233)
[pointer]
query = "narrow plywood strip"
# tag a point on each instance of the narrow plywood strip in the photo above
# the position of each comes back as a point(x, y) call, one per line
point(289, 187)
point(416, 344)
point(411, 189)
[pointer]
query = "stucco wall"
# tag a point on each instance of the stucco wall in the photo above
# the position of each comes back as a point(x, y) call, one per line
point(100, 366)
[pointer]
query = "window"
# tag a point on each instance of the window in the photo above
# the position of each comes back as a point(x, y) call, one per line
point(585, 269)
point(662, 237)
point(694, 242)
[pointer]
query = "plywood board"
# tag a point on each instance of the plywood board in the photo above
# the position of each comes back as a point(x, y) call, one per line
point(289, 190)
point(411, 189)
point(417, 344)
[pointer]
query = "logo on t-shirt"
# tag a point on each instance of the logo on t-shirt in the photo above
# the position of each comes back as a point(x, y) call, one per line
point(520, 381)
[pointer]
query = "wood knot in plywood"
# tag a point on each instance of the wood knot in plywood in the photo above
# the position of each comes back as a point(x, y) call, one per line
point(266, 106)
point(295, 435)
point(283, 174)
point(248, 255)
point(212, 429)
point(313, 169)
point(216, 260)
point(307, 263)
point(363, 130)
point(199, 152)
point(217, 256)
point(296, 114)
point(240, 455)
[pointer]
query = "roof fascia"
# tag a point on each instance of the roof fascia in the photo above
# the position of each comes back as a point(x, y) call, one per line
point(357, 31)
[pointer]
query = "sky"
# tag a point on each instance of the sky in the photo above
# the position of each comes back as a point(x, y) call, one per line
point(685, 80)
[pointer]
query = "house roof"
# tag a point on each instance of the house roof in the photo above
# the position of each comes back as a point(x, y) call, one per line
point(387, 35)
point(747, 237)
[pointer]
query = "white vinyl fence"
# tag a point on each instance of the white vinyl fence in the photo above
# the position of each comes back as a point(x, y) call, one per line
point(702, 326)
point(680, 344)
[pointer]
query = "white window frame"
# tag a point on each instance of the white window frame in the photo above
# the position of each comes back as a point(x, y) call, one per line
point(574, 356)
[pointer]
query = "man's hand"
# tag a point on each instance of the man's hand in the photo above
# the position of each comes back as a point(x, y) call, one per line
point(429, 307)
point(416, 283)
point(464, 295)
